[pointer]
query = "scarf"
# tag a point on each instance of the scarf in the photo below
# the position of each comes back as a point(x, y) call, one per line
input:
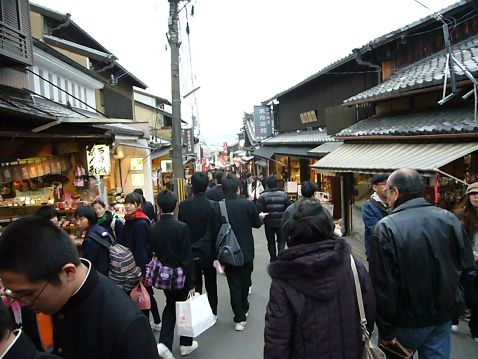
point(139, 214)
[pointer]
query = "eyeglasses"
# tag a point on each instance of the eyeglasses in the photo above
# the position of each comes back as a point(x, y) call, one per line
point(8, 296)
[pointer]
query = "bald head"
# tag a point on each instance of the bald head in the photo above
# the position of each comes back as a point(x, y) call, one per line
point(409, 183)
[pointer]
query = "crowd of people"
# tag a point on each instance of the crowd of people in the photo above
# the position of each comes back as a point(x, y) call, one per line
point(422, 263)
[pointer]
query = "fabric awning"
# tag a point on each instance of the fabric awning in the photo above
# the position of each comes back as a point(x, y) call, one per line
point(387, 157)
point(325, 148)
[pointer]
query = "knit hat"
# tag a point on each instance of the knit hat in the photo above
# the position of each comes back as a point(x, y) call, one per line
point(379, 178)
point(472, 188)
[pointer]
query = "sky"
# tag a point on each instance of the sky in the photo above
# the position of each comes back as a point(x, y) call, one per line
point(239, 53)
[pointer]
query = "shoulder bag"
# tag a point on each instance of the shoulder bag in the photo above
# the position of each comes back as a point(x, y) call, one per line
point(370, 351)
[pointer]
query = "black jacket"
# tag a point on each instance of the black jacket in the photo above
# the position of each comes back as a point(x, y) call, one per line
point(243, 216)
point(148, 210)
point(416, 258)
point(135, 236)
point(97, 254)
point(23, 348)
point(102, 322)
point(216, 193)
point(107, 224)
point(312, 310)
point(172, 246)
point(274, 202)
point(195, 212)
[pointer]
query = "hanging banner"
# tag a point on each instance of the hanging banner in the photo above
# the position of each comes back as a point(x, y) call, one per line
point(98, 160)
point(262, 122)
point(188, 140)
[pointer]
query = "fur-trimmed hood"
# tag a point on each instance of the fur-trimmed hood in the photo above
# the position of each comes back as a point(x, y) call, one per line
point(317, 270)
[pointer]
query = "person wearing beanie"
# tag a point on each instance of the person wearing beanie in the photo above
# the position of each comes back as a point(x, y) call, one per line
point(375, 208)
point(312, 297)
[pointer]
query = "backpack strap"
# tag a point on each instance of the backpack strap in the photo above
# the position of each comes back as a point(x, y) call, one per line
point(222, 206)
point(100, 240)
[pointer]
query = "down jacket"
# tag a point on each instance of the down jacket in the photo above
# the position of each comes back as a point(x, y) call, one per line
point(312, 310)
point(274, 202)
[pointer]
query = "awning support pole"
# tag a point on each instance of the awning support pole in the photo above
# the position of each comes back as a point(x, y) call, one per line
point(449, 175)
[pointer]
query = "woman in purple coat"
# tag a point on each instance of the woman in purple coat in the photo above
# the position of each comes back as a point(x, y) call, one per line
point(312, 310)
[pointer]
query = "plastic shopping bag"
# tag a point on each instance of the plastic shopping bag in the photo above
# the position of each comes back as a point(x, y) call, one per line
point(140, 296)
point(194, 316)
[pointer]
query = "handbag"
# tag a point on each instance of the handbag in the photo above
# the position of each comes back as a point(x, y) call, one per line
point(194, 316)
point(370, 351)
point(140, 297)
point(163, 277)
point(395, 350)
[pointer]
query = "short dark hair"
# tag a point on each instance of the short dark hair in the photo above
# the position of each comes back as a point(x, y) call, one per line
point(47, 212)
point(100, 202)
point(88, 212)
point(230, 184)
point(219, 176)
point(271, 181)
point(310, 222)
point(6, 324)
point(134, 198)
point(308, 189)
point(199, 182)
point(409, 183)
point(138, 191)
point(36, 247)
point(166, 201)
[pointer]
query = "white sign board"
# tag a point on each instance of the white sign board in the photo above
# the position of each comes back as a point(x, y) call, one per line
point(98, 160)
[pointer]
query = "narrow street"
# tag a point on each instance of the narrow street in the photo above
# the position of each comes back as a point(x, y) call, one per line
point(222, 341)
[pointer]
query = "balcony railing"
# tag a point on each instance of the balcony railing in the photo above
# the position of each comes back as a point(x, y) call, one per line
point(14, 45)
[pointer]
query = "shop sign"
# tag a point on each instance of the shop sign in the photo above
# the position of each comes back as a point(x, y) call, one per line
point(262, 122)
point(136, 164)
point(98, 160)
point(188, 140)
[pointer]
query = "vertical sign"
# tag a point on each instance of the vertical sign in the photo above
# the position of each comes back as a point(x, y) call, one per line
point(262, 122)
point(224, 147)
point(188, 140)
point(98, 159)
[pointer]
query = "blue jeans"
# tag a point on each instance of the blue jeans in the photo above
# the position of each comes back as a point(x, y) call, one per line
point(430, 342)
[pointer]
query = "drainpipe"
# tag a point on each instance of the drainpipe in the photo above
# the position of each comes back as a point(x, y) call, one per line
point(64, 24)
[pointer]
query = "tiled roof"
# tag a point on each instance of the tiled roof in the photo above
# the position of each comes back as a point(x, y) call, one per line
point(121, 129)
point(424, 73)
point(449, 120)
point(299, 138)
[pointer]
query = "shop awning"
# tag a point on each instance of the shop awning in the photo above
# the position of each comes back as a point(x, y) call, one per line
point(264, 152)
point(325, 148)
point(160, 153)
point(293, 151)
point(387, 157)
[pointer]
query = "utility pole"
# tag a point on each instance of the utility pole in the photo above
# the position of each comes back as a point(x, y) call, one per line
point(174, 44)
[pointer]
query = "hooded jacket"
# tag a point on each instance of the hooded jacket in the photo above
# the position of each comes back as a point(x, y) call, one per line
point(312, 310)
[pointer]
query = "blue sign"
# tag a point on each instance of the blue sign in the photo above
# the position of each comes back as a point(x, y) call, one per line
point(262, 122)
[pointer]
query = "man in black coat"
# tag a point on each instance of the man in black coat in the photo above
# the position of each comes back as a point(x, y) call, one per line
point(195, 212)
point(273, 202)
point(243, 216)
point(92, 318)
point(172, 246)
point(216, 193)
point(417, 255)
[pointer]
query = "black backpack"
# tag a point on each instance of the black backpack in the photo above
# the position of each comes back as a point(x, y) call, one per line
point(228, 249)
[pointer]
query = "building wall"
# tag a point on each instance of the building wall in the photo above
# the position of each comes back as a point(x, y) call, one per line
point(36, 21)
point(325, 92)
point(13, 77)
point(82, 60)
point(154, 118)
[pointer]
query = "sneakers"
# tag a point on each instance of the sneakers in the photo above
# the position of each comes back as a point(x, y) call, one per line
point(250, 290)
point(164, 352)
point(154, 326)
point(185, 350)
point(240, 326)
point(475, 339)
point(454, 328)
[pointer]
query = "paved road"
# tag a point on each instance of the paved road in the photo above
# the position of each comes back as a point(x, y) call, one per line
point(222, 341)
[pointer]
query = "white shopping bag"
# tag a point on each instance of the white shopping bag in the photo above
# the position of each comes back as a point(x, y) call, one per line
point(194, 316)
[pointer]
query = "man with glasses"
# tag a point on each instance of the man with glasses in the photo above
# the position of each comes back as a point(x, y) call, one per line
point(416, 257)
point(91, 317)
point(375, 208)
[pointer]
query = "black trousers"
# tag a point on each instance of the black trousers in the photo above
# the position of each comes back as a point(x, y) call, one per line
point(239, 281)
point(169, 318)
point(271, 234)
point(154, 307)
point(210, 282)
